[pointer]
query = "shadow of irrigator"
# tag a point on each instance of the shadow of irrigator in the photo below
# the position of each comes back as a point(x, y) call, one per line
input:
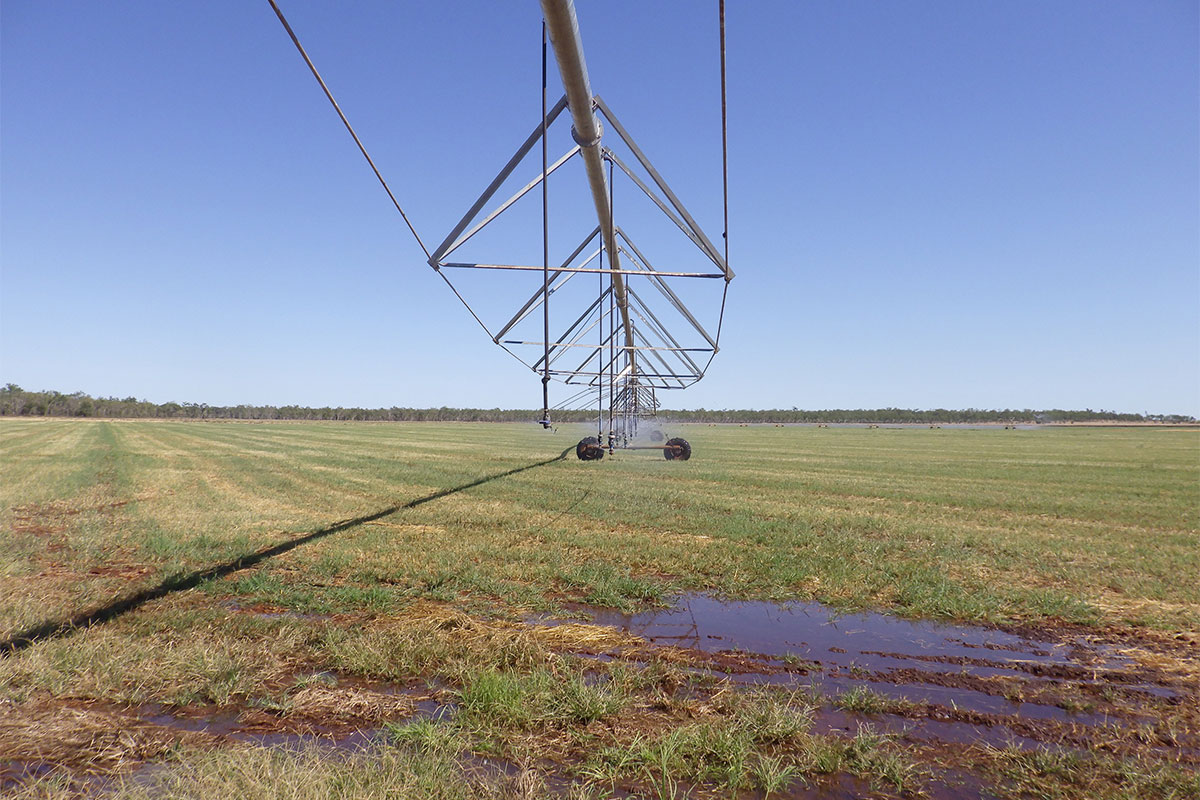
point(54, 628)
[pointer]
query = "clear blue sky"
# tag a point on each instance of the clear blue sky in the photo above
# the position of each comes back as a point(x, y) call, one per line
point(987, 204)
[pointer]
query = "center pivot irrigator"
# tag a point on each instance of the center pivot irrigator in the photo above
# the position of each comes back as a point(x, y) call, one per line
point(612, 325)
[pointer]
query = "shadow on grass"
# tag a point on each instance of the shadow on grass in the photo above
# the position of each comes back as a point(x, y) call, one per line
point(179, 583)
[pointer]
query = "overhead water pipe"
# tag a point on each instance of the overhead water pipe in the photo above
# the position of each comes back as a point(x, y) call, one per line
point(568, 52)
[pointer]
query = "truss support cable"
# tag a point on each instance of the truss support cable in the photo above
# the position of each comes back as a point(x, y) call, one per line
point(724, 185)
point(600, 348)
point(545, 249)
point(612, 351)
point(720, 322)
point(724, 144)
point(346, 122)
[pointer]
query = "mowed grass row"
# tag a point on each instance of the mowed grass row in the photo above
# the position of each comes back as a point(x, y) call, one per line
point(417, 548)
point(1086, 525)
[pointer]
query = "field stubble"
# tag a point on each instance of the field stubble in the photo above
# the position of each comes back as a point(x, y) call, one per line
point(327, 582)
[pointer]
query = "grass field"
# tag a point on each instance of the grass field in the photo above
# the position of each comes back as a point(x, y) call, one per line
point(328, 577)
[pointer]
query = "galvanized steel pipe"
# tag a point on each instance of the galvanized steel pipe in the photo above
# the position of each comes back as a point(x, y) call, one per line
point(568, 52)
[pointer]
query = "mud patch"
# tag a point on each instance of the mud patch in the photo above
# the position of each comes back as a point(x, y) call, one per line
point(814, 632)
point(85, 738)
point(91, 740)
point(962, 686)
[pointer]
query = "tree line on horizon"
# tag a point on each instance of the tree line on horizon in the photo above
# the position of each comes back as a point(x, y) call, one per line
point(17, 402)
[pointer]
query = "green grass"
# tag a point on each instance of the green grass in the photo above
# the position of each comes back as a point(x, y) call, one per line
point(1061, 775)
point(410, 769)
point(540, 697)
point(1083, 525)
point(401, 579)
point(863, 700)
point(762, 743)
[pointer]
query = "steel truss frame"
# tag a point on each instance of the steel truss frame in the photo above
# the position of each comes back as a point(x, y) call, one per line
point(589, 351)
point(646, 355)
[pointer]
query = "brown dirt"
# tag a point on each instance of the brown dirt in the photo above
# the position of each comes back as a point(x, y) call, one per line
point(1148, 705)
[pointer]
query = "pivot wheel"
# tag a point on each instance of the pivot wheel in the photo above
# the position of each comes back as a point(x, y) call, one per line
point(589, 449)
point(656, 436)
point(677, 449)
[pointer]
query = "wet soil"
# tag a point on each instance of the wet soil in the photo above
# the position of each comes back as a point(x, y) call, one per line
point(946, 688)
point(335, 713)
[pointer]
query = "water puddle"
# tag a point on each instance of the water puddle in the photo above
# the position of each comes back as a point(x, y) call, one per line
point(329, 711)
point(258, 728)
point(328, 743)
point(14, 773)
point(845, 724)
point(995, 686)
point(813, 632)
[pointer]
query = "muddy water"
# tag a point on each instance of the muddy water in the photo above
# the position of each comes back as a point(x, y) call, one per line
point(14, 773)
point(335, 740)
point(236, 727)
point(965, 685)
point(969, 671)
point(813, 632)
point(244, 727)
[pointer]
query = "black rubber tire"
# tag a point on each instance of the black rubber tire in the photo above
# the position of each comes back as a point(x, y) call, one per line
point(677, 449)
point(589, 449)
point(656, 436)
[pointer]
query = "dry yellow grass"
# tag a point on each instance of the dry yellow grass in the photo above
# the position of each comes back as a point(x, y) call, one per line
point(87, 738)
point(392, 553)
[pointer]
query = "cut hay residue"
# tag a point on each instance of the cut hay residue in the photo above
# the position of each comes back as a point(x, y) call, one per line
point(347, 703)
point(581, 636)
point(89, 739)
